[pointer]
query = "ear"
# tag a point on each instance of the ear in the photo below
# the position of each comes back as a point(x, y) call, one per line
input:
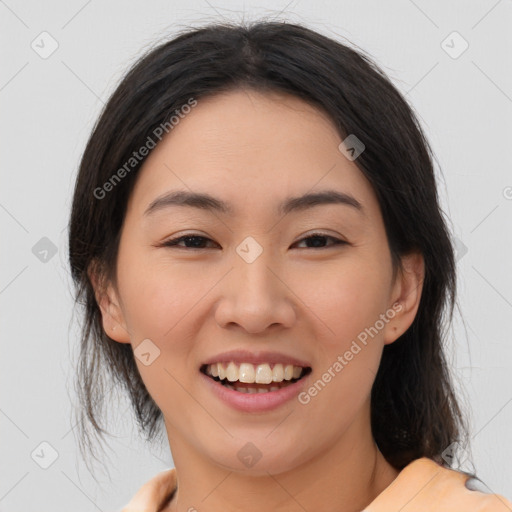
point(405, 296)
point(113, 320)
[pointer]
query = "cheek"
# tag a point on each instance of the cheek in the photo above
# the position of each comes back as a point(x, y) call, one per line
point(158, 306)
point(349, 347)
point(157, 298)
point(164, 305)
point(347, 299)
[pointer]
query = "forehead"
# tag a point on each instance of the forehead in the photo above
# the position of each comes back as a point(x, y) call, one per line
point(250, 148)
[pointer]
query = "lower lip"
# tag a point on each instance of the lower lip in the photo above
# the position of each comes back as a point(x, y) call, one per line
point(254, 402)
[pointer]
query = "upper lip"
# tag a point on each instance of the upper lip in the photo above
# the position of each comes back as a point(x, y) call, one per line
point(256, 357)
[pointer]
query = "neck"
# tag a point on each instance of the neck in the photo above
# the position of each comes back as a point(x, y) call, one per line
point(346, 476)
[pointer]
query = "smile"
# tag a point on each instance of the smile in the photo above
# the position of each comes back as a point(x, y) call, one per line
point(251, 378)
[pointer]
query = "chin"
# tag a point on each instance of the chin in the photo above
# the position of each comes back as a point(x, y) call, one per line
point(258, 458)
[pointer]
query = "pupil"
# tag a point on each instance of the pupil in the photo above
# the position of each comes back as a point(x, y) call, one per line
point(316, 239)
point(199, 240)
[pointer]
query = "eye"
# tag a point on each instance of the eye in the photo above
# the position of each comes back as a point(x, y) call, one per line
point(195, 241)
point(317, 241)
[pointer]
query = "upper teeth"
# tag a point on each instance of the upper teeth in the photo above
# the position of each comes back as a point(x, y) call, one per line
point(247, 372)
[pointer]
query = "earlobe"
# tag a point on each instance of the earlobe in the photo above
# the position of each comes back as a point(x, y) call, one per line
point(111, 313)
point(406, 295)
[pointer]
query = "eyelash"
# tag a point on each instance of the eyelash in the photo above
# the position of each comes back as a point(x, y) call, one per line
point(173, 242)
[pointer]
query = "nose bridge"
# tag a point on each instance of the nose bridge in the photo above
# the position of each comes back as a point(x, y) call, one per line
point(254, 286)
point(252, 263)
point(255, 297)
point(255, 278)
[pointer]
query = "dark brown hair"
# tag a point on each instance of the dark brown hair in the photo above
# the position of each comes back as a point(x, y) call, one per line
point(414, 410)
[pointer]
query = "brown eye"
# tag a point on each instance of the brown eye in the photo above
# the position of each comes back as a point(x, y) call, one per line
point(317, 241)
point(314, 241)
point(191, 242)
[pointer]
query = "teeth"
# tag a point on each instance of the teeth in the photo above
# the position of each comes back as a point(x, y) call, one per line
point(263, 374)
point(249, 373)
point(278, 373)
point(241, 389)
point(232, 372)
point(246, 373)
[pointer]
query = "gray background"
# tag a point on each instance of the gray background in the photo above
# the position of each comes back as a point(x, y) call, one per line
point(48, 107)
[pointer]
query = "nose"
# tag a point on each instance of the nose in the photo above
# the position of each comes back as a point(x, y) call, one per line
point(255, 297)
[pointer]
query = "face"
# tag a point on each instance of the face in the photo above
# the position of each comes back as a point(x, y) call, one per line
point(258, 278)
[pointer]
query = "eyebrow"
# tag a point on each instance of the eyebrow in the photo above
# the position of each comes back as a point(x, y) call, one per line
point(207, 202)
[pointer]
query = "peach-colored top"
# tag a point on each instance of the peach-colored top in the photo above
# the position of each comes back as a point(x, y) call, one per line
point(423, 485)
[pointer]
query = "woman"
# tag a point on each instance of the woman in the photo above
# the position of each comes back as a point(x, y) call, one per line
point(265, 268)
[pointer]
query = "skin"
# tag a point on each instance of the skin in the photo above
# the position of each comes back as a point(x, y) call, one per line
point(253, 150)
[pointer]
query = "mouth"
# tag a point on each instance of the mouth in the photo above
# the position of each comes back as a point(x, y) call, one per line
point(251, 378)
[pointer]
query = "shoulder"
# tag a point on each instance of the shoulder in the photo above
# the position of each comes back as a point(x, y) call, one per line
point(154, 493)
point(427, 486)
